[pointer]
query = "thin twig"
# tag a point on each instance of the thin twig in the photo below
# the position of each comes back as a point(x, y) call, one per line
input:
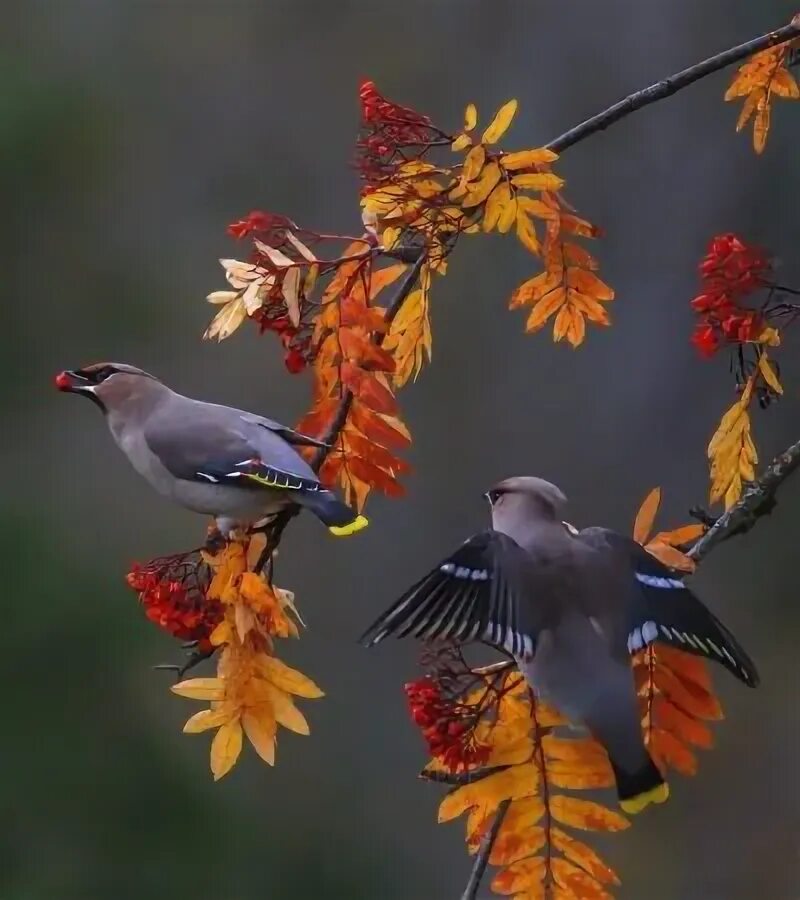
point(482, 859)
point(457, 779)
point(668, 86)
point(757, 500)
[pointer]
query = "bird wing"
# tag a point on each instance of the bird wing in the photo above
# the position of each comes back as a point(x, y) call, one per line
point(296, 438)
point(218, 445)
point(662, 609)
point(473, 594)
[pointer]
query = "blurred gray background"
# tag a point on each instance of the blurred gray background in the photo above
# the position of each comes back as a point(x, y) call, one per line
point(130, 134)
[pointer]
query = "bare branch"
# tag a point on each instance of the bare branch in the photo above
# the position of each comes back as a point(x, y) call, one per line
point(669, 86)
point(757, 500)
point(482, 859)
point(457, 779)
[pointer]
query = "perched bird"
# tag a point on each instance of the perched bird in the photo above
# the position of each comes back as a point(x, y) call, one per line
point(233, 465)
point(571, 607)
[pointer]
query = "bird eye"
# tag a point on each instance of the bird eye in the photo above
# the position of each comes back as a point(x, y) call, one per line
point(95, 376)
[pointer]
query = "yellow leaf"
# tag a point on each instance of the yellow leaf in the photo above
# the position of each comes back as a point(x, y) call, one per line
point(259, 726)
point(288, 679)
point(286, 713)
point(221, 634)
point(770, 336)
point(525, 158)
point(540, 181)
point(586, 814)
point(646, 516)
point(537, 208)
point(481, 189)
point(497, 203)
point(200, 689)
point(461, 143)
point(470, 117)
point(205, 719)
point(499, 124)
point(526, 232)
point(225, 748)
point(768, 374)
point(508, 216)
point(488, 793)
point(473, 163)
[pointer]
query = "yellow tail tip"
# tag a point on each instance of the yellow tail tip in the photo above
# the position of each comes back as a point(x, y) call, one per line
point(634, 805)
point(345, 530)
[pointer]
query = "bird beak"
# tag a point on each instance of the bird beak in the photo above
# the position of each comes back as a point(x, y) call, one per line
point(487, 498)
point(73, 382)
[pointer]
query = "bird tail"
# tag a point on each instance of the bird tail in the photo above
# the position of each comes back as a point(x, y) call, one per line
point(637, 790)
point(339, 517)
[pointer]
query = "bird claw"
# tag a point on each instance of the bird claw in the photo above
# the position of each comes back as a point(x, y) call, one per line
point(194, 659)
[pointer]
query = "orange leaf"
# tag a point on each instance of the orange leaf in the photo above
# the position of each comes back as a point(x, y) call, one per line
point(365, 352)
point(673, 719)
point(354, 312)
point(379, 456)
point(545, 308)
point(519, 877)
point(368, 389)
point(646, 516)
point(525, 158)
point(510, 846)
point(686, 534)
point(373, 476)
point(686, 666)
point(586, 814)
point(583, 856)
point(574, 879)
point(667, 749)
point(386, 431)
point(670, 556)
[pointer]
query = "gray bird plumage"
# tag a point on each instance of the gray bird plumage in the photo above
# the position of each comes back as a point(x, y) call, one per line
point(570, 607)
point(212, 459)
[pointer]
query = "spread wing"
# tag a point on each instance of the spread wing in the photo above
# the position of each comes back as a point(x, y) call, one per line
point(203, 442)
point(476, 593)
point(663, 609)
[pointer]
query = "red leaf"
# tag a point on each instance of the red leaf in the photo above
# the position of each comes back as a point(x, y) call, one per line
point(377, 478)
point(368, 389)
point(363, 351)
point(377, 429)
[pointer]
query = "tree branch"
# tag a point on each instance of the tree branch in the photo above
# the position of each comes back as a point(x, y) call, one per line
point(482, 859)
point(668, 86)
point(757, 500)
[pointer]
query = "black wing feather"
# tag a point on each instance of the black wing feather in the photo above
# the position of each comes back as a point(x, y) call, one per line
point(473, 594)
point(664, 610)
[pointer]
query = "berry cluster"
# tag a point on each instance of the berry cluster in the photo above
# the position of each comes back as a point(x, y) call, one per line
point(447, 726)
point(172, 591)
point(730, 271)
